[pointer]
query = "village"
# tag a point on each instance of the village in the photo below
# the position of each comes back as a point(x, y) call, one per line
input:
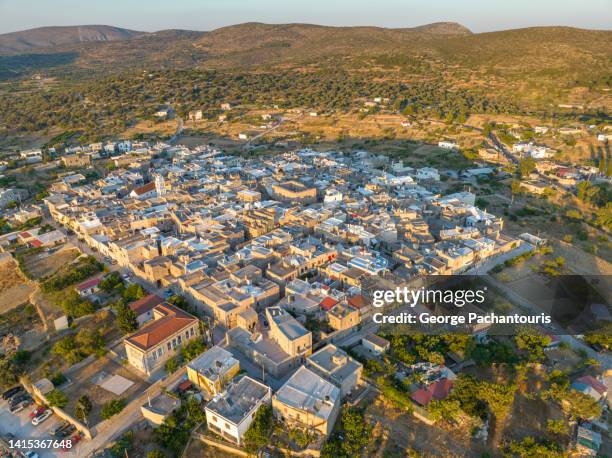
point(218, 300)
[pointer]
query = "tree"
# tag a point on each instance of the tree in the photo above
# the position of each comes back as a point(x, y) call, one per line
point(446, 410)
point(133, 292)
point(112, 408)
point(529, 448)
point(604, 216)
point(515, 187)
point(192, 349)
point(8, 372)
point(83, 408)
point(156, 454)
point(498, 397)
point(110, 282)
point(126, 319)
point(600, 338)
point(580, 405)
point(532, 342)
point(74, 305)
point(260, 429)
point(526, 166)
point(574, 403)
point(56, 398)
point(558, 427)
point(172, 365)
point(355, 434)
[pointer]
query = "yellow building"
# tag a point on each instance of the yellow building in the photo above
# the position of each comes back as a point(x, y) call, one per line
point(212, 370)
point(76, 160)
point(294, 191)
point(288, 333)
point(342, 317)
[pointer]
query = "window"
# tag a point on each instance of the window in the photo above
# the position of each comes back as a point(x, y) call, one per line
point(179, 339)
point(160, 351)
point(187, 334)
point(227, 426)
point(169, 346)
point(192, 332)
point(214, 419)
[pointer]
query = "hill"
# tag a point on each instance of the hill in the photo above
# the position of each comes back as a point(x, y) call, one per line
point(50, 37)
point(547, 51)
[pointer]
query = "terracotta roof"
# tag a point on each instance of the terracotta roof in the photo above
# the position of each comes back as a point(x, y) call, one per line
point(437, 390)
point(357, 301)
point(159, 330)
point(36, 243)
point(145, 188)
point(145, 304)
point(89, 283)
point(328, 303)
point(593, 383)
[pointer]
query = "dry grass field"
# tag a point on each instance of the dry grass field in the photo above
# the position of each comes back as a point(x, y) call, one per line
point(15, 289)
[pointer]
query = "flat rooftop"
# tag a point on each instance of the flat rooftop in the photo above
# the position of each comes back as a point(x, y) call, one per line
point(213, 363)
point(238, 400)
point(307, 391)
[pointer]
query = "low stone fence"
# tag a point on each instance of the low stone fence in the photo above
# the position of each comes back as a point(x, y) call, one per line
point(221, 445)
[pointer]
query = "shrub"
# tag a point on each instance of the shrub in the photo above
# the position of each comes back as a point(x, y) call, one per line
point(112, 408)
point(57, 399)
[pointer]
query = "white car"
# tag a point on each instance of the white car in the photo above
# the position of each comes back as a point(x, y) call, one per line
point(42, 417)
point(30, 454)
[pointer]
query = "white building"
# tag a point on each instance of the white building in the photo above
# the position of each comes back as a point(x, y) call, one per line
point(309, 401)
point(447, 144)
point(428, 173)
point(31, 156)
point(332, 196)
point(231, 413)
point(11, 195)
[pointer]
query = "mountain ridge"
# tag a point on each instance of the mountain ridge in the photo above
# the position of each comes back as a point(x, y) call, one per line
point(53, 36)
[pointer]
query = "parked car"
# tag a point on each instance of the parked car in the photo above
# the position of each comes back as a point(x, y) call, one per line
point(30, 454)
point(12, 392)
point(57, 431)
point(19, 398)
point(37, 411)
point(68, 431)
point(37, 420)
point(63, 430)
point(20, 406)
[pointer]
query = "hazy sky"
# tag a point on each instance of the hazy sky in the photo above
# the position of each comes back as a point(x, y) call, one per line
point(151, 15)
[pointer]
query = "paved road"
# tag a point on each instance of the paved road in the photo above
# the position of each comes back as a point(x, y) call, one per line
point(271, 129)
point(604, 358)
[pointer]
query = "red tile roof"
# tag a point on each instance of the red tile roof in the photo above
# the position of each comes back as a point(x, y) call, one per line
point(437, 390)
point(145, 188)
point(594, 383)
point(36, 243)
point(357, 302)
point(159, 330)
point(89, 283)
point(145, 304)
point(328, 303)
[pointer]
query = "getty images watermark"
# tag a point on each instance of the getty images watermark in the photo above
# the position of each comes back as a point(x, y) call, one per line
point(457, 298)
